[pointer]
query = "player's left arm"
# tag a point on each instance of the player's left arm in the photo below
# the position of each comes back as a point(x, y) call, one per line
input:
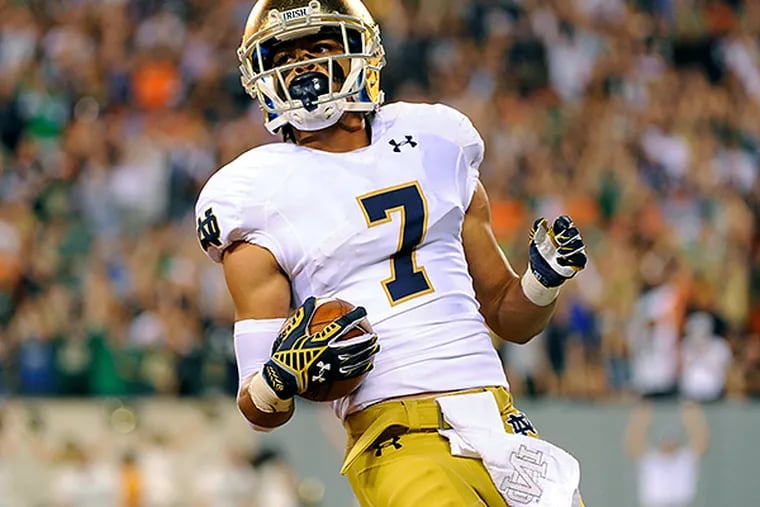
point(518, 308)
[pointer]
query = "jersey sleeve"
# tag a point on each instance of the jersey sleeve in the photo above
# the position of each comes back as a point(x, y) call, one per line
point(228, 210)
point(460, 129)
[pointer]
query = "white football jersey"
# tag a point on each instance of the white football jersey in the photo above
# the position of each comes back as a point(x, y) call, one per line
point(379, 227)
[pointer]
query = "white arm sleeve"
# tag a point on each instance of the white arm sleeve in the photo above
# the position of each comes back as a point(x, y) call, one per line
point(253, 345)
point(253, 348)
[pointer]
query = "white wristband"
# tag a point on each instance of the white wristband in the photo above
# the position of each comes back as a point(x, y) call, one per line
point(535, 291)
point(264, 397)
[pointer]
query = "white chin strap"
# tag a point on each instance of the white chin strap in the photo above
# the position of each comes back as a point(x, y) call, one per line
point(324, 116)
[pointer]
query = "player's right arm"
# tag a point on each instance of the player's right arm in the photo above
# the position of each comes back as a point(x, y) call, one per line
point(231, 215)
point(270, 380)
point(260, 291)
point(237, 225)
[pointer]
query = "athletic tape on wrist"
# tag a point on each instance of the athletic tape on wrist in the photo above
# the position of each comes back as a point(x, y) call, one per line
point(265, 398)
point(535, 291)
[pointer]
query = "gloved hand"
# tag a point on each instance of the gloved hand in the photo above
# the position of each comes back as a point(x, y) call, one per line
point(556, 254)
point(296, 353)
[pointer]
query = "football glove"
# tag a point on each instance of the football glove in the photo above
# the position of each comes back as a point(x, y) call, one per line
point(556, 254)
point(299, 358)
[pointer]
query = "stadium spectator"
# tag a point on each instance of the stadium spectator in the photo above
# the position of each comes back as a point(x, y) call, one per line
point(750, 365)
point(8, 448)
point(277, 480)
point(130, 481)
point(705, 358)
point(81, 479)
point(653, 333)
point(225, 482)
point(668, 471)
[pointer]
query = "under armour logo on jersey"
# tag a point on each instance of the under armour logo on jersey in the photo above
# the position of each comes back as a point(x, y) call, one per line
point(521, 425)
point(208, 230)
point(319, 377)
point(409, 140)
point(393, 442)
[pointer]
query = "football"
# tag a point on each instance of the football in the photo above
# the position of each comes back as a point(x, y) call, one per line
point(329, 309)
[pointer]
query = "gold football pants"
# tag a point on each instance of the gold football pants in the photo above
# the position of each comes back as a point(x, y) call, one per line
point(396, 458)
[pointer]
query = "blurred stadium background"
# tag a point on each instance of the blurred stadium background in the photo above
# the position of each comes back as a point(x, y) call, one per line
point(639, 118)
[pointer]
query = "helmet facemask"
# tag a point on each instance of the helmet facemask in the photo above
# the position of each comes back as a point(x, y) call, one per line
point(312, 101)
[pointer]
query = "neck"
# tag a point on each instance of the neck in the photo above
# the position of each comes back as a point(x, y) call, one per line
point(349, 134)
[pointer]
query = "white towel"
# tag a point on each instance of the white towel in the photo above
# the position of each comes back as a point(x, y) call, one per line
point(528, 472)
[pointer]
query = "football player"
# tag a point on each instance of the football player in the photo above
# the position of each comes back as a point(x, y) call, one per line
point(381, 206)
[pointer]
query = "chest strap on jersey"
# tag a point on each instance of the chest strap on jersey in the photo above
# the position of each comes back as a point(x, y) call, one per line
point(365, 427)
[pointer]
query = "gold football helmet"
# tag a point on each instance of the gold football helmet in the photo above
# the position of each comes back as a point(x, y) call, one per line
point(348, 21)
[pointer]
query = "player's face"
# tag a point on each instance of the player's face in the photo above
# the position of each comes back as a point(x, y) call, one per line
point(308, 48)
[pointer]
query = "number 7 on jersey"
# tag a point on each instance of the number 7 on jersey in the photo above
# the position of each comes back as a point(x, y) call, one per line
point(407, 280)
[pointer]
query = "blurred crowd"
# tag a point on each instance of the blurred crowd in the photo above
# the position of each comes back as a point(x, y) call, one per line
point(639, 118)
point(64, 453)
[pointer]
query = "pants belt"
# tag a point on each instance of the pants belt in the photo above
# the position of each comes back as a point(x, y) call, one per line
point(421, 414)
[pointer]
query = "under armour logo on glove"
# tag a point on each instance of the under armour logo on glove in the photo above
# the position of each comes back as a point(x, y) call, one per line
point(397, 146)
point(320, 377)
